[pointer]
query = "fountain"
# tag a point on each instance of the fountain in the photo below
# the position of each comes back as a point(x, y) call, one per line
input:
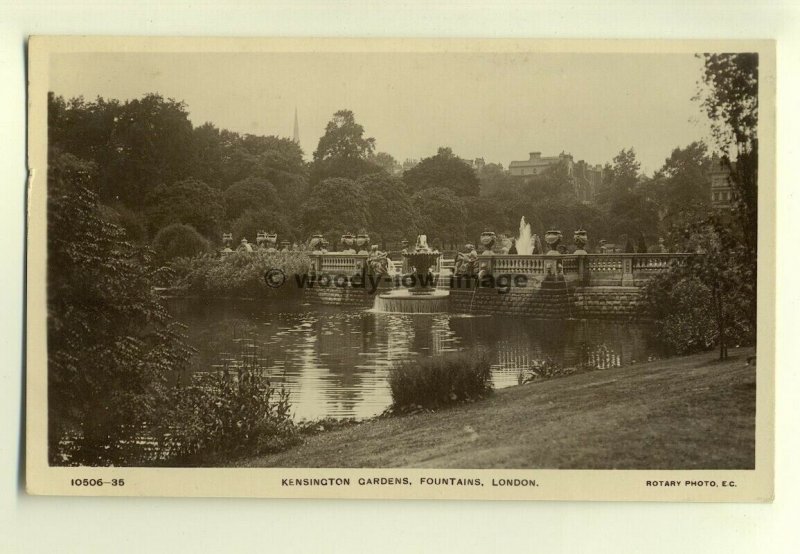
point(421, 296)
point(525, 239)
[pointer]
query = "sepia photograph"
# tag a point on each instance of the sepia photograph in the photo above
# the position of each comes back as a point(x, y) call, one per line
point(417, 268)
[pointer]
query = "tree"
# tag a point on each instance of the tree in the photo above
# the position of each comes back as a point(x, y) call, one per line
point(344, 139)
point(210, 153)
point(729, 285)
point(682, 186)
point(191, 202)
point(624, 172)
point(149, 144)
point(444, 170)
point(134, 223)
point(253, 220)
point(179, 241)
point(334, 207)
point(493, 178)
point(631, 199)
point(384, 161)
point(485, 214)
point(252, 193)
point(441, 215)
point(111, 342)
point(390, 214)
point(729, 96)
point(343, 151)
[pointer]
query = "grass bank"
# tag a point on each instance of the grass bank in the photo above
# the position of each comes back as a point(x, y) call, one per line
point(691, 412)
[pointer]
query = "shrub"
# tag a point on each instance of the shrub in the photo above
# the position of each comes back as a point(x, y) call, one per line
point(225, 414)
point(439, 381)
point(179, 240)
point(239, 273)
point(543, 369)
point(684, 314)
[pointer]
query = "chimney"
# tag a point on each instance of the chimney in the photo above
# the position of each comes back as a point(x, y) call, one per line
point(535, 155)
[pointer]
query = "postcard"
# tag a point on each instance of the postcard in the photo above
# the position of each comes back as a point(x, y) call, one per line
point(401, 268)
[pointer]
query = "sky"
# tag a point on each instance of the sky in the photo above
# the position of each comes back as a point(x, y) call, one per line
point(498, 106)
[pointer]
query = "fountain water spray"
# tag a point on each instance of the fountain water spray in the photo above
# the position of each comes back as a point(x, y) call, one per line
point(525, 239)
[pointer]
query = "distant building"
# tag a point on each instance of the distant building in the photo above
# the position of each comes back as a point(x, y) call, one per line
point(588, 181)
point(477, 164)
point(721, 191)
point(536, 164)
point(586, 178)
point(409, 164)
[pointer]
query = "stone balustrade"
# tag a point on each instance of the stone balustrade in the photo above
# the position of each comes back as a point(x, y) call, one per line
point(588, 269)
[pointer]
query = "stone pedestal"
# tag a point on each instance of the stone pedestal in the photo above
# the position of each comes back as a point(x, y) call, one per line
point(627, 272)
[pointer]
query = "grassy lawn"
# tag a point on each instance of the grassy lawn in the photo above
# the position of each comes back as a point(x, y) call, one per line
point(692, 412)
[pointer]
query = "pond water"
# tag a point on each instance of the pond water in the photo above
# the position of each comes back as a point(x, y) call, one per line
point(335, 360)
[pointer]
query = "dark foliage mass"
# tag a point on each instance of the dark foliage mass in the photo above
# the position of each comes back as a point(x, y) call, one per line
point(111, 342)
point(440, 381)
point(225, 415)
point(179, 241)
point(154, 169)
point(444, 170)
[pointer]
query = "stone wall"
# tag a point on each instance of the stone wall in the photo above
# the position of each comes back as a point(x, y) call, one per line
point(555, 303)
point(542, 303)
point(608, 302)
point(339, 296)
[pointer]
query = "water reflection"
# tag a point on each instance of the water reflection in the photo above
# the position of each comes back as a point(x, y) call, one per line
point(335, 361)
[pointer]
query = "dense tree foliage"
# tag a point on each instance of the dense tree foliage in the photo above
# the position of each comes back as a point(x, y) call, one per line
point(335, 206)
point(111, 344)
point(250, 193)
point(384, 160)
point(445, 170)
point(390, 214)
point(682, 187)
point(189, 201)
point(440, 215)
point(144, 148)
point(179, 241)
point(729, 96)
point(343, 151)
point(494, 179)
point(253, 220)
point(137, 145)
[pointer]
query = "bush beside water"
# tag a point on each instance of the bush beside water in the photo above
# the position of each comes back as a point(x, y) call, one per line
point(225, 415)
point(440, 381)
point(238, 273)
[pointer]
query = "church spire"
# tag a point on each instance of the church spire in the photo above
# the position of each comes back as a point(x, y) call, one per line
point(296, 127)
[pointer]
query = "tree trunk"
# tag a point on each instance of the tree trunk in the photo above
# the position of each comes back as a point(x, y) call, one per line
point(723, 347)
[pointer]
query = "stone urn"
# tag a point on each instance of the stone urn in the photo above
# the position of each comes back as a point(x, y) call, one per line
point(284, 246)
point(581, 239)
point(227, 239)
point(488, 240)
point(261, 239)
point(553, 238)
point(324, 245)
point(420, 260)
point(404, 244)
point(348, 241)
point(362, 243)
point(316, 243)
